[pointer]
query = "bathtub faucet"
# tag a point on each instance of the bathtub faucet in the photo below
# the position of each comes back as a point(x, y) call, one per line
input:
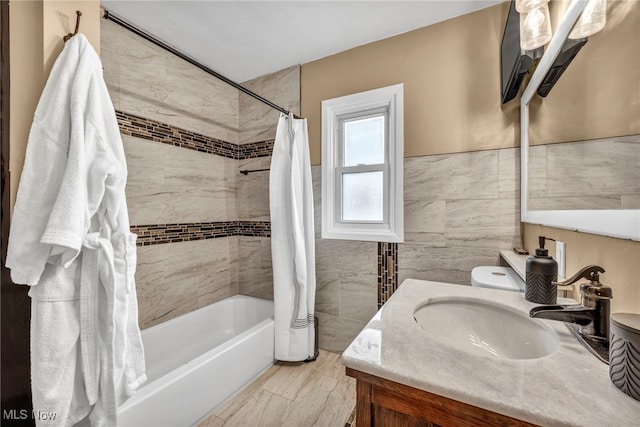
point(592, 314)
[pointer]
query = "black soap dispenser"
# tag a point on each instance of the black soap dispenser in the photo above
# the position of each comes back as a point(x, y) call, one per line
point(542, 271)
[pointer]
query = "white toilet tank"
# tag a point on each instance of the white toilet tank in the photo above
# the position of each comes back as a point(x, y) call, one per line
point(497, 278)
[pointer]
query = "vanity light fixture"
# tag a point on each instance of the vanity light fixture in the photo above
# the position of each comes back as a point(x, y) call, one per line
point(591, 20)
point(535, 27)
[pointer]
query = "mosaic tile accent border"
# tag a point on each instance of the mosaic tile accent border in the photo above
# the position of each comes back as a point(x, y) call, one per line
point(387, 271)
point(155, 234)
point(153, 130)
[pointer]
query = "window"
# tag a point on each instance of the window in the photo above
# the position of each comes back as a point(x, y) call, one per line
point(362, 158)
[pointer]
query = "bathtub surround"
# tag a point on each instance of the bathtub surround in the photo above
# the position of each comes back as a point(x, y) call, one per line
point(153, 130)
point(156, 234)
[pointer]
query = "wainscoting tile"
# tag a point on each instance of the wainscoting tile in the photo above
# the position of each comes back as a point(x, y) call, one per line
point(451, 264)
point(348, 258)
point(537, 171)
point(452, 176)
point(316, 177)
point(337, 333)
point(483, 223)
point(580, 202)
point(359, 297)
point(424, 221)
point(328, 293)
point(509, 173)
point(606, 167)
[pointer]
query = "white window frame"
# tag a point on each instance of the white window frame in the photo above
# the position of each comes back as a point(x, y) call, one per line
point(387, 100)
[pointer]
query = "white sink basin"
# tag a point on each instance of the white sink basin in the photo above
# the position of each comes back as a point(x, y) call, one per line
point(483, 327)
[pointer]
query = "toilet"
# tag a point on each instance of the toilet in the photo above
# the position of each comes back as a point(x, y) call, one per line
point(495, 277)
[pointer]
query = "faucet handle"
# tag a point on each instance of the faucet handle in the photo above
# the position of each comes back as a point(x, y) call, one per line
point(591, 272)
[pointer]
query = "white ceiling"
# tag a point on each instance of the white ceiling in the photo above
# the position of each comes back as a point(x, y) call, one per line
point(247, 39)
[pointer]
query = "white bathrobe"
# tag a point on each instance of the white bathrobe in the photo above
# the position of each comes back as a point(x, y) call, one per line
point(70, 241)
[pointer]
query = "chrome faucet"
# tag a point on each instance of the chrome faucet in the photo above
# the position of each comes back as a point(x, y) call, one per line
point(592, 314)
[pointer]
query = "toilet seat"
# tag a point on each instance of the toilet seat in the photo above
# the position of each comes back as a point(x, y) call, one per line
point(496, 277)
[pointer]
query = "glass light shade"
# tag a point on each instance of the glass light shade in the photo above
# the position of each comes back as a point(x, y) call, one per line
point(525, 6)
point(535, 28)
point(591, 20)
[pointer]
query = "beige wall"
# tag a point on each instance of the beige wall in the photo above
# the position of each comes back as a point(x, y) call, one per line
point(36, 31)
point(598, 96)
point(451, 73)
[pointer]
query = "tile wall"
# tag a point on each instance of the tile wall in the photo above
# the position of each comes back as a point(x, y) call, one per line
point(607, 176)
point(204, 227)
point(180, 133)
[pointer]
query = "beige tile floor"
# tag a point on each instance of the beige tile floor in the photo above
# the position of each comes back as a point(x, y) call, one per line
point(292, 394)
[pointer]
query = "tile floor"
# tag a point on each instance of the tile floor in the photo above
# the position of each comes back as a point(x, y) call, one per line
point(292, 394)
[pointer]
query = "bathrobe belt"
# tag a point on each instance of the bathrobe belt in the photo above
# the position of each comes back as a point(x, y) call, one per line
point(97, 350)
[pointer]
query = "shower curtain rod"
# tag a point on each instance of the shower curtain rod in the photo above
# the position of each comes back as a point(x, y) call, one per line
point(125, 24)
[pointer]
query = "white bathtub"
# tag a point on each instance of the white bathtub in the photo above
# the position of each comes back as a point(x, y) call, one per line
point(198, 360)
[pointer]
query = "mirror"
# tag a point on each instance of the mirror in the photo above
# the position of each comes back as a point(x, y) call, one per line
point(580, 146)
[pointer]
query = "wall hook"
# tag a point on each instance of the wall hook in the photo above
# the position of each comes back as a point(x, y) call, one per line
point(68, 36)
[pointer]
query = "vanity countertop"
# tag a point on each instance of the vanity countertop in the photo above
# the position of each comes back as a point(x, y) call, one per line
point(569, 387)
point(517, 262)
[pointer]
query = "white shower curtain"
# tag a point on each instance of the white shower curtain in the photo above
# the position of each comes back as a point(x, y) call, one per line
point(292, 241)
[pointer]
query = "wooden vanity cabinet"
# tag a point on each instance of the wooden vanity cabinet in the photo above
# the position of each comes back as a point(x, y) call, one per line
point(386, 403)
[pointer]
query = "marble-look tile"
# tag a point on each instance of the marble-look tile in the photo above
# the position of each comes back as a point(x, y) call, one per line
point(509, 173)
point(359, 297)
point(579, 202)
point(145, 162)
point(451, 264)
point(211, 421)
point(424, 222)
point(316, 177)
point(258, 122)
point(172, 185)
point(631, 202)
point(335, 333)
point(291, 394)
point(537, 171)
point(175, 278)
point(255, 273)
point(347, 258)
point(263, 409)
point(227, 409)
point(149, 82)
point(452, 176)
point(483, 223)
point(253, 190)
point(607, 167)
point(328, 293)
